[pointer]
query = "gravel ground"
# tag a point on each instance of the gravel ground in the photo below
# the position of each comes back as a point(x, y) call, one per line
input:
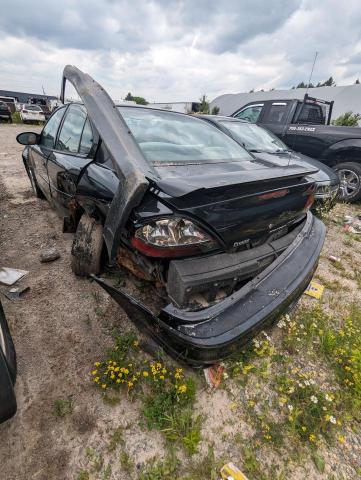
point(59, 332)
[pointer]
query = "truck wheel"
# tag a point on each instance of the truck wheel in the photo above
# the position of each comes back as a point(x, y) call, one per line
point(87, 247)
point(350, 181)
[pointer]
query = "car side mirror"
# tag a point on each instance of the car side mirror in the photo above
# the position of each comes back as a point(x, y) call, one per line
point(28, 138)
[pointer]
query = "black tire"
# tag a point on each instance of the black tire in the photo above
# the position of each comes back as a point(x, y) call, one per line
point(350, 191)
point(86, 252)
point(7, 345)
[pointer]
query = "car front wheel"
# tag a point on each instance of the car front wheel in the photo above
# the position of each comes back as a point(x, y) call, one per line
point(349, 174)
point(87, 247)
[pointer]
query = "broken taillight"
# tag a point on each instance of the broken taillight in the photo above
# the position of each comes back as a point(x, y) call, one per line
point(172, 237)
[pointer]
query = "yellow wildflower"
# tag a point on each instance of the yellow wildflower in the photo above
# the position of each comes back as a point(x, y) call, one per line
point(97, 364)
point(94, 372)
point(312, 438)
point(145, 373)
point(182, 388)
point(104, 386)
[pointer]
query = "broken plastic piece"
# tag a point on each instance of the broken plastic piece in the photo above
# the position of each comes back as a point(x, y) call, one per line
point(15, 292)
point(315, 290)
point(231, 472)
point(213, 375)
point(8, 276)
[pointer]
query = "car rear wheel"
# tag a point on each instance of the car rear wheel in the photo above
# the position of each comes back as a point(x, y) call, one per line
point(7, 345)
point(350, 181)
point(87, 247)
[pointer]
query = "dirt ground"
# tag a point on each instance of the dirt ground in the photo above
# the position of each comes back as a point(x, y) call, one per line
point(59, 332)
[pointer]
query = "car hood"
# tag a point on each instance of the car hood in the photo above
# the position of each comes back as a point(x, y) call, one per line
point(324, 174)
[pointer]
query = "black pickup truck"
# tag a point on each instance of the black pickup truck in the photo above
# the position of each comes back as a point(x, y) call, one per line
point(305, 127)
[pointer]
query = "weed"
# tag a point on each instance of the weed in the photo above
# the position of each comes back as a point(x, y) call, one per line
point(357, 275)
point(319, 462)
point(126, 462)
point(161, 470)
point(83, 475)
point(107, 472)
point(63, 407)
point(333, 285)
point(348, 242)
point(98, 297)
point(167, 395)
point(96, 460)
point(116, 439)
point(205, 468)
point(181, 425)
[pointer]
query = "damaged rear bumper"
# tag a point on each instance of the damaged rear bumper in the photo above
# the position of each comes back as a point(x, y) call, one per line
point(212, 334)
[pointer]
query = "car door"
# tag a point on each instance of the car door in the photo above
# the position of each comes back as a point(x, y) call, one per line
point(250, 113)
point(71, 154)
point(38, 154)
point(276, 116)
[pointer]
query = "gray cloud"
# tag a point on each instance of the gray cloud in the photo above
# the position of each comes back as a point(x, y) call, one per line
point(176, 50)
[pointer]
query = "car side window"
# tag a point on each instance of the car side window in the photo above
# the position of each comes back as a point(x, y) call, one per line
point(250, 113)
point(71, 130)
point(87, 139)
point(48, 135)
point(277, 113)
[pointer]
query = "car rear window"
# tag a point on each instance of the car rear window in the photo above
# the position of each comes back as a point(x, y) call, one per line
point(32, 108)
point(166, 137)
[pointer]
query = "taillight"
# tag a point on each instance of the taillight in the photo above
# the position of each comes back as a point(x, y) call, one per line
point(172, 237)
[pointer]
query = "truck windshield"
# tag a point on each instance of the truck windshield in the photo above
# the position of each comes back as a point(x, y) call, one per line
point(255, 138)
point(171, 137)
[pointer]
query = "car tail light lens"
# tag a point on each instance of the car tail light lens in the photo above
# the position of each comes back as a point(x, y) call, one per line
point(172, 237)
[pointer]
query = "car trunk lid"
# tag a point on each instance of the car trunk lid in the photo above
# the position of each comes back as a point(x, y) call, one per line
point(243, 206)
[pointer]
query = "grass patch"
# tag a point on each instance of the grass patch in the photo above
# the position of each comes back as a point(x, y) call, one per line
point(63, 407)
point(167, 395)
point(96, 459)
point(161, 469)
point(126, 462)
point(116, 439)
point(83, 475)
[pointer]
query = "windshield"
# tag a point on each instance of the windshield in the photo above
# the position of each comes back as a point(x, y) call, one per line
point(168, 137)
point(34, 108)
point(255, 138)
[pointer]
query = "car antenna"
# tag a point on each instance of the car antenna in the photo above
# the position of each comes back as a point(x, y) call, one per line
point(308, 86)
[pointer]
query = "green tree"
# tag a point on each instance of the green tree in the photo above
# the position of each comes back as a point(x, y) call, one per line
point(327, 83)
point(215, 110)
point(203, 105)
point(138, 100)
point(348, 119)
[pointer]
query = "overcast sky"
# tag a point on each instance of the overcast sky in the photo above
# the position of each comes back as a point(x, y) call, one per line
point(169, 50)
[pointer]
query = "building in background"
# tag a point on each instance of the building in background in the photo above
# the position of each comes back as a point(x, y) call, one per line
point(24, 98)
point(347, 98)
point(182, 107)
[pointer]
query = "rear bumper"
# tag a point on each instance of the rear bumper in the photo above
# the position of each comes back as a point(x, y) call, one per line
point(209, 335)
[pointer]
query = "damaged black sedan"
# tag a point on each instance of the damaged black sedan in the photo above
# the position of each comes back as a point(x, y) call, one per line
point(226, 243)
